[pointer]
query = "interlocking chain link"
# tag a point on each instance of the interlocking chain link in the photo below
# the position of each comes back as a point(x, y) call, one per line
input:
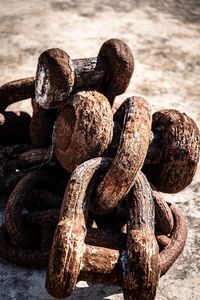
point(79, 201)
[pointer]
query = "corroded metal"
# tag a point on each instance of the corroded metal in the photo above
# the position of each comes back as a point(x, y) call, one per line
point(130, 155)
point(88, 217)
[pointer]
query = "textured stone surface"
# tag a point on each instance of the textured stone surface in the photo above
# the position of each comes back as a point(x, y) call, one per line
point(164, 38)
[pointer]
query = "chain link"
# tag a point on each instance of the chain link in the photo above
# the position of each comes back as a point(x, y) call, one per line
point(87, 217)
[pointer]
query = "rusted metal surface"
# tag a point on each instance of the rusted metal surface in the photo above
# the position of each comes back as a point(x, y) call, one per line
point(54, 78)
point(69, 239)
point(130, 155)
point(14, 224)
point(105, 254)
point(173, 152)
point(57, 76)
point(120, 62)
point(15, 91)
point(173, 169)
point(14, 168)
point(84, 126)
point(164, 218)
point(85, 216)
point(41, 126)
point(142, 269)
point(177, 243)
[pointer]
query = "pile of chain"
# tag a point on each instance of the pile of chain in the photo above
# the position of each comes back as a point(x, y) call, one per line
point(83, 182)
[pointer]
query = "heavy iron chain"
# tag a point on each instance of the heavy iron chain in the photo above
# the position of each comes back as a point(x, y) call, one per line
point(78, 198)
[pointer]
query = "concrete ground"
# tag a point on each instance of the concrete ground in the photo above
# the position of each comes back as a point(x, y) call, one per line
point(164, 37)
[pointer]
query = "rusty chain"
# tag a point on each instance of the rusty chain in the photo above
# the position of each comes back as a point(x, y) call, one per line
point(83, 216)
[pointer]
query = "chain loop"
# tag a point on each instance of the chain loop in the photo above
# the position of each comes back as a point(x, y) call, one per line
point(89, 217)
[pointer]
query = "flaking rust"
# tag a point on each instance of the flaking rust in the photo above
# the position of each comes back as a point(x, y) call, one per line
point(130, 155)
point(54, 78)
point(84, 126)
point(143, 272)
point(89, 217)
point(179, 144)
point(58, 76)
point(69, 239)
point(173, 153)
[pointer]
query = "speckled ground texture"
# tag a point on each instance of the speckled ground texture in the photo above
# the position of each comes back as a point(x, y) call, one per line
point(165, 39)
